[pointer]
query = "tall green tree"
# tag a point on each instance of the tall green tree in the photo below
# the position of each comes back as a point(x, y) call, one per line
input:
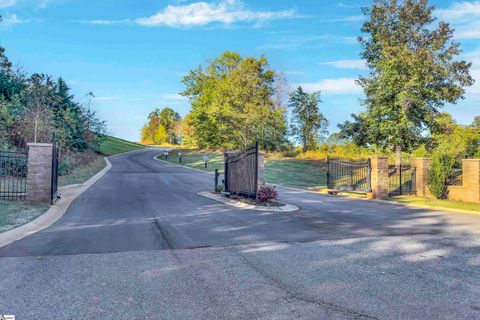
point(308, 124)
point(233, 103)
point(414, 71)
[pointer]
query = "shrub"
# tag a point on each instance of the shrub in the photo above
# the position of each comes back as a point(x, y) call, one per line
point(440, 169)
point(267, 193)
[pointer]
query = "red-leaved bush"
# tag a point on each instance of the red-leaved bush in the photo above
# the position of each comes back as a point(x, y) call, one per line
point(267, 193)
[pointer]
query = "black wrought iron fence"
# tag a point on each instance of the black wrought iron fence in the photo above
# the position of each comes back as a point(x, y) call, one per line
point(349, 175)
point(13, 174)
point(455, 178)
point(401, 180)
point(55, 158)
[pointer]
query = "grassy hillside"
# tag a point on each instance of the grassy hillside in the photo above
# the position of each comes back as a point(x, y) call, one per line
point(111, 146)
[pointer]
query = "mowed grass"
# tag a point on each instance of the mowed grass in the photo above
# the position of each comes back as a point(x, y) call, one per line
point(438, 203)
point(111, 146)
point(16, 213)
point(82, 173)
point(299, 173)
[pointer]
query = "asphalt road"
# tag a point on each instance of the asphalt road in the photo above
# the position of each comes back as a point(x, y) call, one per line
point(140, 244)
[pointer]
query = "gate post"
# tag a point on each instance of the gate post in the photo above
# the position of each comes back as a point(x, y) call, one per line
point(421, 180)
point(379, 177)
point(39, 178)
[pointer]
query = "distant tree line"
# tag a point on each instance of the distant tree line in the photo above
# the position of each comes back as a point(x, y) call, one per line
point(34, 106)
point(235, 102)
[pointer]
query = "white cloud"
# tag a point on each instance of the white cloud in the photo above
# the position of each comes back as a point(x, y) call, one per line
point(106, 22)
point(12, 20)
point(204, 13)
point(474, 58)
point(106, 98)
point(464, 17)
point(346, 64)
point(7, 3)
point(333, 86)
point(172, 96)
point(293, 41)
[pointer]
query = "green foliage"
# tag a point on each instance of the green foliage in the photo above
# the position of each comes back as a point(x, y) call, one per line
point(308, 123)
point(440, 169)
point(233, 103)
point(31, 108)
point(413, 73)
point(162, 127)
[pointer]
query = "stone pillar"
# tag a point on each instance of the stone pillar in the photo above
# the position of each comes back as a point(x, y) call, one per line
point(379, 177)
point(39, 178)
point(421, 180)
point(261, 168)
point(471, 180)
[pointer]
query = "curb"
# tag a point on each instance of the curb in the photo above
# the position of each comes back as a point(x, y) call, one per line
point(245, 206)
point(389, 202)
point(55, 212)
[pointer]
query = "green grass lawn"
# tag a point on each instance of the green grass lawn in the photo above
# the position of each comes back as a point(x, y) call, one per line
point(16, 213)
point(300, 173)
point(474, 207)
point(82, 173)
point(111, 146)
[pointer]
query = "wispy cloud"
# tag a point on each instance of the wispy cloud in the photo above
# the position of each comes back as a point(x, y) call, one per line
point(346, 64)
point(7, 3)
point(106, 98)
point(12, 19)
point(295, 41)
point(107, 22)
point(199, 14)
point(333, 86)
point(204, 13)
point(465, 18)
point(474, 58)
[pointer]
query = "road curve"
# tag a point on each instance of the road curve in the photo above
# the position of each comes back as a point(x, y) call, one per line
point(141, 244)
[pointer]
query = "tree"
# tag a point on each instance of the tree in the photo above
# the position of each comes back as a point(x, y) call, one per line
point(308, 123)
point(233, 103)
point(161, 123)
point(413, 73)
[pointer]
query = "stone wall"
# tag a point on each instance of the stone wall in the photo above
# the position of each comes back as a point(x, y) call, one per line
point(39, 176)
point(469, 191)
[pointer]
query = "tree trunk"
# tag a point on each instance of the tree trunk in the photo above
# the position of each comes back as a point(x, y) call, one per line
point(398, 156)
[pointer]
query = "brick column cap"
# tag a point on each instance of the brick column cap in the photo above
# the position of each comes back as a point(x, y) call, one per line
point(470, 160)
point(36, 144)
point(422, 158)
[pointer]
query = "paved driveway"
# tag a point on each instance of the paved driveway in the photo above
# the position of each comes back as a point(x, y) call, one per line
point(140, 244)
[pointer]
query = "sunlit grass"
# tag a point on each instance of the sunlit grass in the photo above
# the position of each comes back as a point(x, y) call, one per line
point(439, 203)
point(111, 146)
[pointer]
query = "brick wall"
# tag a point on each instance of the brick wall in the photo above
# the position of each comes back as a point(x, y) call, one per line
point(39, 172)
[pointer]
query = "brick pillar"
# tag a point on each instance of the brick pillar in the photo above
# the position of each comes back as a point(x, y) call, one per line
point(421, 180)
point(379, 177)
point(471, 180)
point(261, 168)
point(39, 176)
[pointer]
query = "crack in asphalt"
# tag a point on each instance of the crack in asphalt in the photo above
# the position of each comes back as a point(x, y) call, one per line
point(302, 297)
point(163, 235)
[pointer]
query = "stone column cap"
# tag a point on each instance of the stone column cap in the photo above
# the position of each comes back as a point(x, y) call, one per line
point(37, 144)
point(422, 158)
point(471, 160)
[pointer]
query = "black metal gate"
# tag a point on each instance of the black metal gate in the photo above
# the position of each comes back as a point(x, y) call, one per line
point(13, 174)
point(349, 175)
point(401, 180)
point(55, 156)
point(241, 172)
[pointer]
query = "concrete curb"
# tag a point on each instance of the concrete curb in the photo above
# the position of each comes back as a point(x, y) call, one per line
point(55, 212)
point(389, 202)
point(243, 205)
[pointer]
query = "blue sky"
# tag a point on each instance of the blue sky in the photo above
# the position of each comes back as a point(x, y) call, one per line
point(133, 54)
